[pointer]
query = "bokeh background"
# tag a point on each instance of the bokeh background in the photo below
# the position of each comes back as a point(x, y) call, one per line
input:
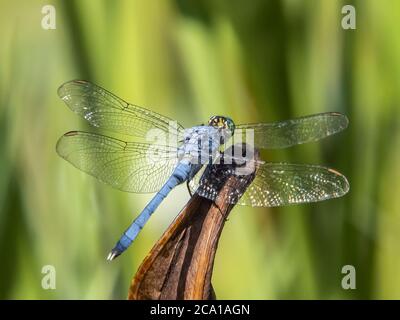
point(252, 60)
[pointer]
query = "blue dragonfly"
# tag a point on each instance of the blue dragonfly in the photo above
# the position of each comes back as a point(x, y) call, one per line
point(160, 165)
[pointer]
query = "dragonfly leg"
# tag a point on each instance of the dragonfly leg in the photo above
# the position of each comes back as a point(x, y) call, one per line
point(188, 187)
point(220, 211)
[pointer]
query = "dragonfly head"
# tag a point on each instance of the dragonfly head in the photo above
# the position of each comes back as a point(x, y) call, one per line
point(224, 123)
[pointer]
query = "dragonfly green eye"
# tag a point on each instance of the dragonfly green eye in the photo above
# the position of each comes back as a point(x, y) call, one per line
point(222, 122)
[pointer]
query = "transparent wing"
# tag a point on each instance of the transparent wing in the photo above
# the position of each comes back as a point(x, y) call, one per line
point(282, 184)
point(278, 184)
point(128, 166)
point(103, 109)
point(295, 131)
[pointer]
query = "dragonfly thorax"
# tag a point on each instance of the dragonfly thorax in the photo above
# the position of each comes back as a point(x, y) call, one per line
point(201, 143)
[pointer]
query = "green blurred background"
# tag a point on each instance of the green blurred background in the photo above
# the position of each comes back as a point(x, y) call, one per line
point(252, 60)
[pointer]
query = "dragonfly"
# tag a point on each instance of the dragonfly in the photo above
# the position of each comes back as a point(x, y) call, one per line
point(159, 165)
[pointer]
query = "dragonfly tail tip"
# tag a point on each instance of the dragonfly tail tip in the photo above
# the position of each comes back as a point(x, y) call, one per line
point(112, 255)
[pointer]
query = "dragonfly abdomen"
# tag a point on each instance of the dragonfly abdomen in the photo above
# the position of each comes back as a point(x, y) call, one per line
point(180, 174)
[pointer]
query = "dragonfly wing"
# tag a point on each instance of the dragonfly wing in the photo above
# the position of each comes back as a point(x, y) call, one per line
point(278, 184)
point(127, 166)
point(295, 131)
point(103, 109)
